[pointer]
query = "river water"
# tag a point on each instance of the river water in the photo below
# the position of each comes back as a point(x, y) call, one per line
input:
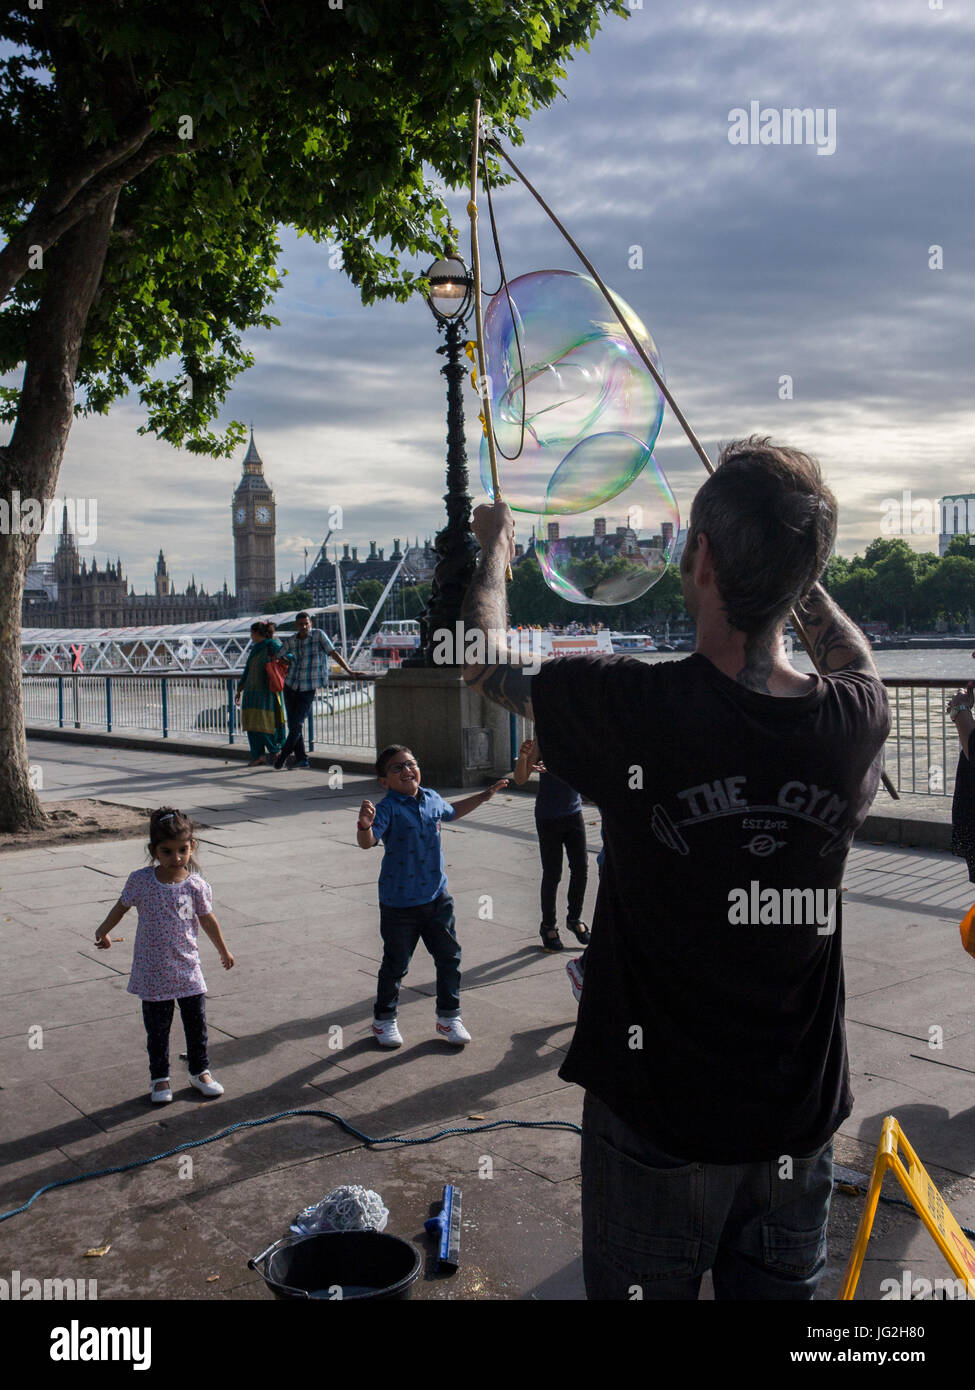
point(949, 664)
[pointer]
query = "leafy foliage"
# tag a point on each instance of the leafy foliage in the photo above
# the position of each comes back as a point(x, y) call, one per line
point(219, 123)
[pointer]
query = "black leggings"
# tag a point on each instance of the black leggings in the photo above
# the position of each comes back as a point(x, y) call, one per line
point(157, 1015)
point(569, 831)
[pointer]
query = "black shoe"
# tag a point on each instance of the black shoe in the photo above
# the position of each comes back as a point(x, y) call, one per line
point(279, 762)
point(551, 941)
point(580, 931)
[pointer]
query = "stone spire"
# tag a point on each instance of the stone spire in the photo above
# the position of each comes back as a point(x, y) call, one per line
point(253, 463)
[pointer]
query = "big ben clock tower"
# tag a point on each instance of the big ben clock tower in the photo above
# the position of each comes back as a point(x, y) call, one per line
point(253, 519)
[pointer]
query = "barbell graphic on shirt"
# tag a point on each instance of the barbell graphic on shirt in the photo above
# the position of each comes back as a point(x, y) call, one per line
point(668, 833)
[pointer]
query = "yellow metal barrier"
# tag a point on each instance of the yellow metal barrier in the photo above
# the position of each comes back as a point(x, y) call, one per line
point(926, 1200)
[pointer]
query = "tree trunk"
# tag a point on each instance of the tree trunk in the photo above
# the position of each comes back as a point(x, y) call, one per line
point(29, 468)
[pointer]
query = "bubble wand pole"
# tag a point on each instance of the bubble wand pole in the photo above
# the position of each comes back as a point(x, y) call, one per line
point(483, 392)
point(645, 359)
point(607, 295)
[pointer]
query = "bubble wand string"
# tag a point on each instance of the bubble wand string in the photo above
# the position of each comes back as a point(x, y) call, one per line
point(645, 359)
point(483, 392)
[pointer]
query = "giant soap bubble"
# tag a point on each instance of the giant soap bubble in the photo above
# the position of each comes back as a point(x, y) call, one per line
point(588, 403)
point(613, 552)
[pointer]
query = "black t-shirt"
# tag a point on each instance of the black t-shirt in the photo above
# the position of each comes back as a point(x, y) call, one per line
point(712, 1015)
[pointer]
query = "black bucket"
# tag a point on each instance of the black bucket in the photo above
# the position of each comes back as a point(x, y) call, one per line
point(340, 1266)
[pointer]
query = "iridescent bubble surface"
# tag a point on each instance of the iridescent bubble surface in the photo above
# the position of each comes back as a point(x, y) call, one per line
point(613, 552)
point(578, 391)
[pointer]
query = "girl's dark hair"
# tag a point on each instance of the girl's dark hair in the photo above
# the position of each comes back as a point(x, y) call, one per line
point(265, 629)
point(387, 756)
point(170, 824)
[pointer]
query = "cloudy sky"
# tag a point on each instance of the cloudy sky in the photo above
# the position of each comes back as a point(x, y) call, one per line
point(759, 261)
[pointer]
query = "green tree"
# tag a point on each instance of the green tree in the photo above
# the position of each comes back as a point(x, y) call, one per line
point(854, 593)
point(895, 575)
point(951, 587)
point(290, 601)
point(150, 154)
point(837, 569)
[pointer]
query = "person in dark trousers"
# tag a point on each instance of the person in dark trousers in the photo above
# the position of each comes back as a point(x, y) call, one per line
point(559, 823)
point(307, 652)
point(414, 904)
point(710, 1039)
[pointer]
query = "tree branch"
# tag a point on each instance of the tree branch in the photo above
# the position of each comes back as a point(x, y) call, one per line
point(44, 227)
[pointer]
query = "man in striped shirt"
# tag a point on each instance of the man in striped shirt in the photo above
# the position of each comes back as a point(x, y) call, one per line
point(307, 653)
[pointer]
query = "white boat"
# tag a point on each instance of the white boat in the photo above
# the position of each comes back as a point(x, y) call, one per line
point(394, 640)
point(631, 643)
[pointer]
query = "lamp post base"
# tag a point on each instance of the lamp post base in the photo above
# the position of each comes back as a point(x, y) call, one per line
point(459, 738)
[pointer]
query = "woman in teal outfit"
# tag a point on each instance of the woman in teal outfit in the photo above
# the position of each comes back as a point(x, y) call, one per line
point(261, 708)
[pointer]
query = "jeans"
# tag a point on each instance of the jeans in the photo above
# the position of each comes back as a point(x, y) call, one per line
point(401, 928)
point(553, 833)
point(654, 1223)
point(157, 1015)
point(297, 703)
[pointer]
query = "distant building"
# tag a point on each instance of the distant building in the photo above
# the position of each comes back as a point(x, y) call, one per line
point(957, 519)
point(419, 563)
point(623, 541)
point(67, 592)
point(252, 510)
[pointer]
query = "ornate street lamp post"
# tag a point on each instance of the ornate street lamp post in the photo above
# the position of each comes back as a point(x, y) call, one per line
point(450, 299)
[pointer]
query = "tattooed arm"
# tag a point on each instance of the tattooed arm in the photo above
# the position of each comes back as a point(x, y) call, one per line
point(485, 610)
point(837, 642)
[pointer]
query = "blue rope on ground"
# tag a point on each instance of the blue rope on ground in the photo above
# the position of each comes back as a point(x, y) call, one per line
point(845, 1175)
point(282, 1115)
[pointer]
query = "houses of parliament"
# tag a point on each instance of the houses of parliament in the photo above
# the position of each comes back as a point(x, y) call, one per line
point(68, 592)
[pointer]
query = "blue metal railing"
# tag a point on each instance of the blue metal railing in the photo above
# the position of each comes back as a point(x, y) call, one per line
point(188, 706)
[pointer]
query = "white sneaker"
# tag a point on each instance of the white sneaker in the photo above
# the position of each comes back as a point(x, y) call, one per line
point(206, 1088)
point(452, 1030)
point(161, 1091)
point(386, 1033)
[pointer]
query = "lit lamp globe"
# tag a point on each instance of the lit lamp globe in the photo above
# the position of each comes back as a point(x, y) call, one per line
point(451, 289)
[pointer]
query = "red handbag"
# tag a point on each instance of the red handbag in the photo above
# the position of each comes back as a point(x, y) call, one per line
point(276, 671)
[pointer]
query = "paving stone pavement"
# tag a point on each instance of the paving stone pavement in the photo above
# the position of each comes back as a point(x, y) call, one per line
point(290, 1029)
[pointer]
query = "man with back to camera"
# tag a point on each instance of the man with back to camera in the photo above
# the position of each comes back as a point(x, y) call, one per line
point(710, 1038)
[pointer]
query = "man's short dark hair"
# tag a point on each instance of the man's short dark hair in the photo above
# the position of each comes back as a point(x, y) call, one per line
point(770, 521)
point(387, 756)
point(302, 614)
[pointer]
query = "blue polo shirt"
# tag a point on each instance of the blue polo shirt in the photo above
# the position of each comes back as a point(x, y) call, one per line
point(409, 827)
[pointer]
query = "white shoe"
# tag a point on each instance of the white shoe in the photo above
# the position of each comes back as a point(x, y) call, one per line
point(386, 1033)
point(206, 1088)
point(161, 1091)
point(452, 1030)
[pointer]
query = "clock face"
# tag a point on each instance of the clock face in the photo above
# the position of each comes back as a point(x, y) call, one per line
point(241, 514)
point(263, 514)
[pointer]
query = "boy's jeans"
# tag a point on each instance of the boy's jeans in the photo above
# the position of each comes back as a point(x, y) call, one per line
point(655, 1223)
point(401, 929)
